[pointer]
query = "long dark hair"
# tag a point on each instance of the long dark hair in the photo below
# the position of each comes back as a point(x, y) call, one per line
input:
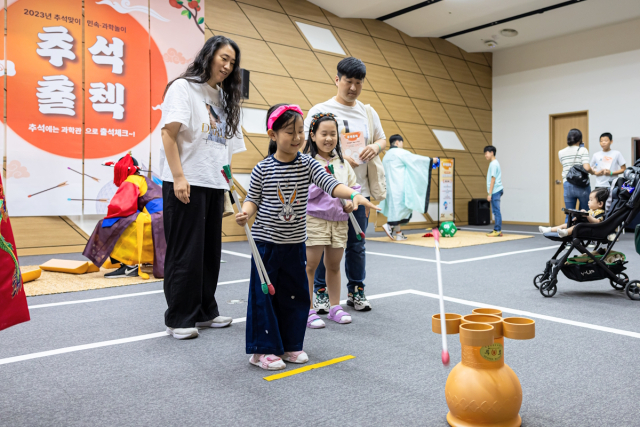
point(312, 146)
point(284, 120)
point(574, 137)
point(199, 71)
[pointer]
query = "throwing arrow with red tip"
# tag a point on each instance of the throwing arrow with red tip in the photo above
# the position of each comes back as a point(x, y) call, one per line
point(266, 286)
point(49, 189)
point(443, 324)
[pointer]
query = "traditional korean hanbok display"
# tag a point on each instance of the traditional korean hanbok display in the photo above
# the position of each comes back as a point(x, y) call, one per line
point(408, 179)
point(132, 233)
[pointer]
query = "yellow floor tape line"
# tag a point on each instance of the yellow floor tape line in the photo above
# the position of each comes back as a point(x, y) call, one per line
point(308, 368)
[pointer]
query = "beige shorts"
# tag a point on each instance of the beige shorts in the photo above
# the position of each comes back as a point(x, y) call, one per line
point(321, 232)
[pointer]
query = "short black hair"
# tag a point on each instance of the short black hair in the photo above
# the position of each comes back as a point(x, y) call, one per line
point(601, 194)
point(574, 137)
point(490, 148)
point(608, 135)
point(394, 138)
point(352, 68)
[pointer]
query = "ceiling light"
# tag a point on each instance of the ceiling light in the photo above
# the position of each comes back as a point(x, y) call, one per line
point(491, 43)
point(508, 32)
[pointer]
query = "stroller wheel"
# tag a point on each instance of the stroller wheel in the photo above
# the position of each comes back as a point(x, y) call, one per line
point(537, 280)
point(548, 288)
point(633, 290)
point(617, 286)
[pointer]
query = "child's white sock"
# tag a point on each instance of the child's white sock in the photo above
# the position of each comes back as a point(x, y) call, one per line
point(545, 229)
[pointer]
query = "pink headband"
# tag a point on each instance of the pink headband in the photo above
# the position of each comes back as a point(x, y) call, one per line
point(279, 111)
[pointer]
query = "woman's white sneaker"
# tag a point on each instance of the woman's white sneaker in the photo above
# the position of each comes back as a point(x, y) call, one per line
point(295, 356)
point(183, 333)
point(218, 322)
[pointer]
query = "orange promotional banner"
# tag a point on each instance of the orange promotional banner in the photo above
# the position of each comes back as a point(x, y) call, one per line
point(117, 94)
point(72, 107)
point(44, 106)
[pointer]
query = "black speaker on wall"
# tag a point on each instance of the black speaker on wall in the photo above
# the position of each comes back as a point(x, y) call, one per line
point(244, 76)
point(479, 212)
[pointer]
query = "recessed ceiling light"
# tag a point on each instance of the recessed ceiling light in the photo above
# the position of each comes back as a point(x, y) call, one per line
point(508, 32)
point(491, 43)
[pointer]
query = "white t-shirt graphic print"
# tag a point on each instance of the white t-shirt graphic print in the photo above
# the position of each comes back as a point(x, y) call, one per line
point(201, 143)
point(217, 127)
point(611, 160)
point(350, 120)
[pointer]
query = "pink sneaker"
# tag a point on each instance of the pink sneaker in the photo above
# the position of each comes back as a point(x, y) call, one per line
point(338, 315)
point(267, 361)
point(295, 356)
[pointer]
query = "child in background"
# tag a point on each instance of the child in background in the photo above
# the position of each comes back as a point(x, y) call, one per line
point(327, 220)
point(278, 192)
point(608, 163)
point(494, 188)
point(597, 200)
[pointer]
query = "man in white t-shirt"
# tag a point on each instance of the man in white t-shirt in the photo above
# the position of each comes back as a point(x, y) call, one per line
point(608, 163)
point(361, 144)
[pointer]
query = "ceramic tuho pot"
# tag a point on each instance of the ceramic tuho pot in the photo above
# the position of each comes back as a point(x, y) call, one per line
point(482, 390)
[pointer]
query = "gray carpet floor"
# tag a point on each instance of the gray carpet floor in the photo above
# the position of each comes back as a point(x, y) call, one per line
point(570, 375)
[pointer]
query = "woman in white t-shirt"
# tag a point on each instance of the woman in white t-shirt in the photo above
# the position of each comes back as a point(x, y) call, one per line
point(200, 132)
point(575, 154)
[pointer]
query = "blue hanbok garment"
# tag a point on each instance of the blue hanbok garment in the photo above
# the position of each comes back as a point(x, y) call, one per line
point(408, 179)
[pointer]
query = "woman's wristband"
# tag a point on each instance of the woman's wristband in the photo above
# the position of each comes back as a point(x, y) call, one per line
point(354, 194)
point(379, 148)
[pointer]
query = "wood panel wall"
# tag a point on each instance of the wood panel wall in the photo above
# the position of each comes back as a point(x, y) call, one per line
point(415, 84)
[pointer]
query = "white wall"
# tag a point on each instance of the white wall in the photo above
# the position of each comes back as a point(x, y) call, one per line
point(596, 70)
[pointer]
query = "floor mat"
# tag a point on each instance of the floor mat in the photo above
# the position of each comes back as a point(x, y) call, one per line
point(57, 283)
point(460, 240)
point(44, 235)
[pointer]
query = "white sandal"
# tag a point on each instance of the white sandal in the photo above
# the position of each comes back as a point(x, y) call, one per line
point(269, 362)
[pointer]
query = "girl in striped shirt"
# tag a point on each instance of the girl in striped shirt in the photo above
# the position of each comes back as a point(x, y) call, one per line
point(278, 192)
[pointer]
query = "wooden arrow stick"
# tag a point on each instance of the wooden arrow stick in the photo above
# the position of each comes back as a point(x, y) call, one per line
point(81, 173)
point(40, 192)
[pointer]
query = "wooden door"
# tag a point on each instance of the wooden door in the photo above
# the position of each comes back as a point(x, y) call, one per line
point(559, 127)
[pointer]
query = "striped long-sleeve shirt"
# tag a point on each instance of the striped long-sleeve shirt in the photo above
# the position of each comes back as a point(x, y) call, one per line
point(280, 190)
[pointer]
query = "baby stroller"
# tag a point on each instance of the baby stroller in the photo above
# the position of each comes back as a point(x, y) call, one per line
point(633, 288)
point(602, 262)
